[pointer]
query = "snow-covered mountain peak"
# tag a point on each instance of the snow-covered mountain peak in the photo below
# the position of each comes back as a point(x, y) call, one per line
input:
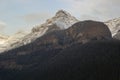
point(62, 13)
point(62, 19)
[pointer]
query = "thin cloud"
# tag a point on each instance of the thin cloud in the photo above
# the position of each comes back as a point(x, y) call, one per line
point(34, 17)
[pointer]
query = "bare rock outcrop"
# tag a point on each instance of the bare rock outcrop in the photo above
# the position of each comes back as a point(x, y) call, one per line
point(85, 31)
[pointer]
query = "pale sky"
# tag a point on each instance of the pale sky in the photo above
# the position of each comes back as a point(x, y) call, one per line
point(18, 15)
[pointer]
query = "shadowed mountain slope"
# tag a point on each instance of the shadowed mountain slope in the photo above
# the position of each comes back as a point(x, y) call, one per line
point(98, 60)
point(92, 61)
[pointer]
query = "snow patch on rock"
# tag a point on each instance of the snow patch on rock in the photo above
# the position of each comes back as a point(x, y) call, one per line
point(114, 25)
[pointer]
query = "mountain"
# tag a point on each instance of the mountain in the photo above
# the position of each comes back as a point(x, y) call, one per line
point(61, 20)
point(114, 25)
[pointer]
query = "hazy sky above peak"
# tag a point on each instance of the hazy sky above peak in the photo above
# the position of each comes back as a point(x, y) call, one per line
point(18, 15)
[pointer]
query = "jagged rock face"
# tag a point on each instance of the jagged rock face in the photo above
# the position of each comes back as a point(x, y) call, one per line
point(89, 30)
point(114, 25)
